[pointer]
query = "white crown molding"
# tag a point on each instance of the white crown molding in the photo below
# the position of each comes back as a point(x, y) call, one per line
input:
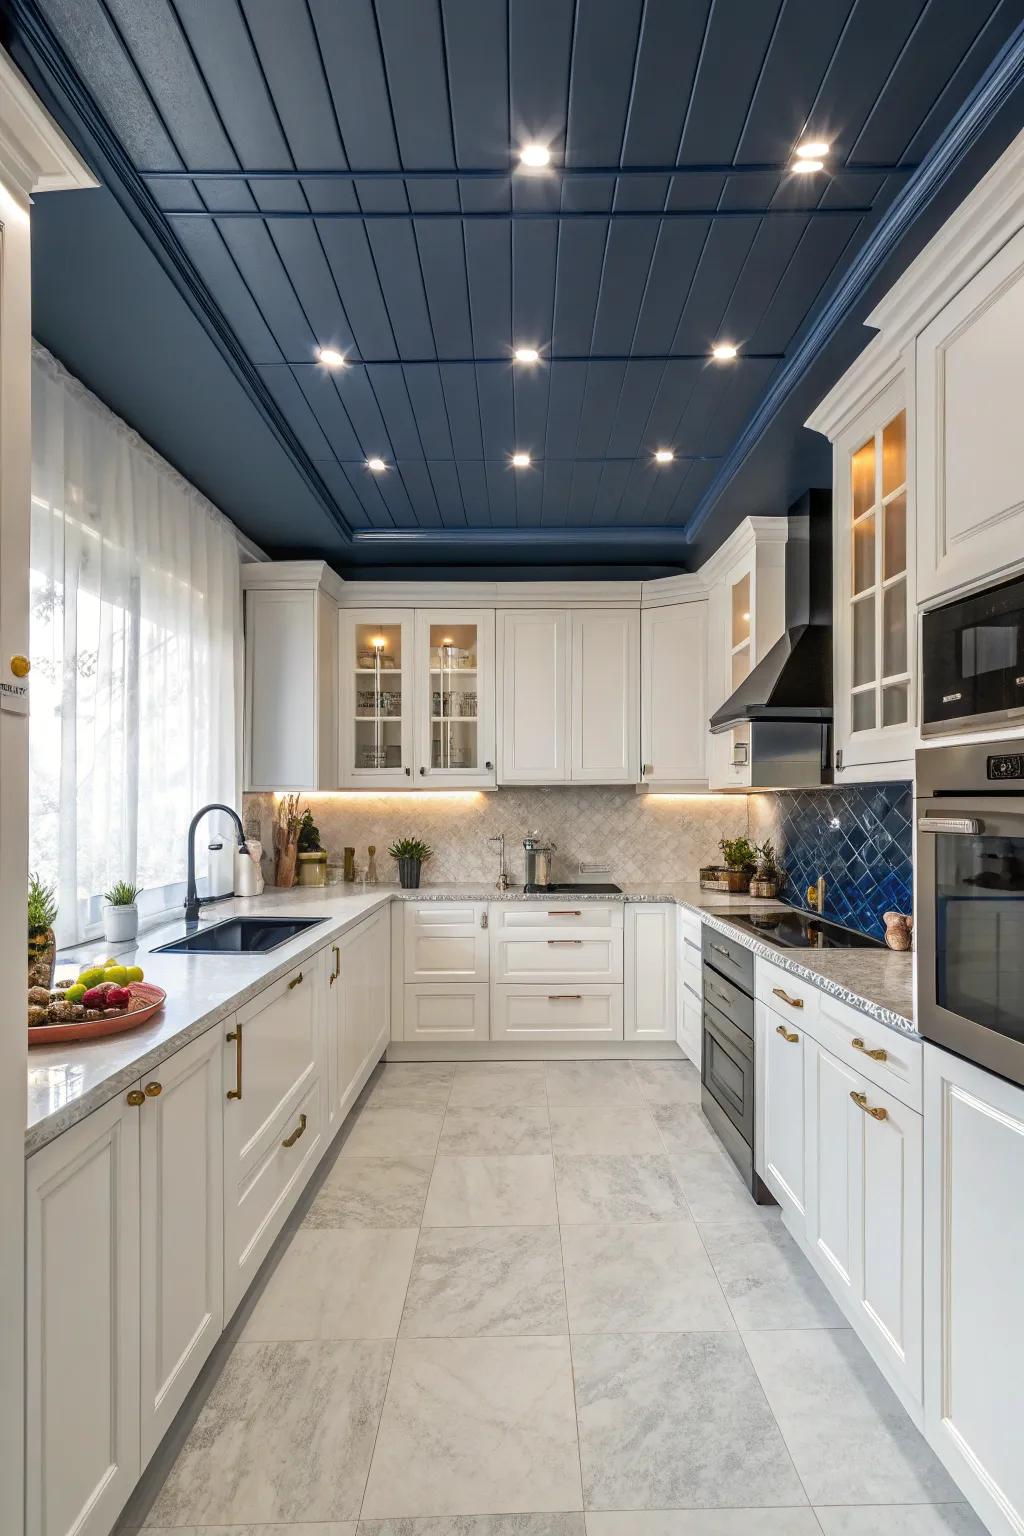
point(292, 575)
point(35, 156)
point(879, 365)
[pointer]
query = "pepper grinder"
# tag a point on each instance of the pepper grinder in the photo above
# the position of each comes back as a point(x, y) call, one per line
point(350, 865)
point(371, 864)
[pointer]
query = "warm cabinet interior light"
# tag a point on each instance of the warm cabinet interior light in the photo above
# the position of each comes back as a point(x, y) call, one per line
point(521, 460)
point(378, 642)
point(377, 465)
point(527, 355)
point(813, 149)
point(331, 358)
point(724, 352)
point(535, 156)
point(807, 167)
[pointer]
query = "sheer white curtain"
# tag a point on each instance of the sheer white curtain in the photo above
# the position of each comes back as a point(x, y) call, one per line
point(136, 645)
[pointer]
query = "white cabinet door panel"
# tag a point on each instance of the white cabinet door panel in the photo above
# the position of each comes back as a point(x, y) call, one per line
point(834, 1137)
point(605, 698)
point(784, 1056)
point(442, 1011)
point(445, 942)
point(557, 1011)
point(673, 691)
point(650, 964)
point(281, 690)
point(533, 671)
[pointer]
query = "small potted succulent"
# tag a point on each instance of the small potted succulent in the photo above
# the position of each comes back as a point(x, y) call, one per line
point(768, 875)
point(121, 915)
point(312, 858)
point(42, 946)
point(740, 862)
point(409, 854)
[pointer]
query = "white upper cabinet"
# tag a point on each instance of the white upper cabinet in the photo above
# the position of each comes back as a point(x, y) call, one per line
point(378, 686)
point(673, 696)
point(455, 699)
point(533, 683)
point(970, 449)
point(605, 696)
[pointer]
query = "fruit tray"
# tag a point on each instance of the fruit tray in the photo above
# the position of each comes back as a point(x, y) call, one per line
point(146, 1000)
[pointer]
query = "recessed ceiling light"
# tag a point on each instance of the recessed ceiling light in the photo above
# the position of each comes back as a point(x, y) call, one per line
point(812, 149)
point(724, 351)
point(535, 156)
point(521, 461)
point(377, 465)
point(808, 167)
point(527, 355)
point(664, 456)
point(331, 357)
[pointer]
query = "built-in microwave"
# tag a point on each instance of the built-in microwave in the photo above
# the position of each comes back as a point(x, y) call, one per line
point(972, 661)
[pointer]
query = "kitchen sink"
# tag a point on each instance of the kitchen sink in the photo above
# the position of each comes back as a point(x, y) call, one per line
point(240, 936)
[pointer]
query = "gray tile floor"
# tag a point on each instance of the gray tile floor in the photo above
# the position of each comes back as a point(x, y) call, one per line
point(532, 1301)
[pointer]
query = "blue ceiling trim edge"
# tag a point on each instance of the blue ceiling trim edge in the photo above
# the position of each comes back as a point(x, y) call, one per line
point(135, 198)
point(659, 537)
point(1001, 78)
point(512, 173)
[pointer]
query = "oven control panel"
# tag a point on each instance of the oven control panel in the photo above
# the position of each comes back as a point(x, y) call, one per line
point(1006, 765)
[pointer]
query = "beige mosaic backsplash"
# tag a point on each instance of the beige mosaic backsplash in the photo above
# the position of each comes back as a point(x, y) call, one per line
point(635, 837)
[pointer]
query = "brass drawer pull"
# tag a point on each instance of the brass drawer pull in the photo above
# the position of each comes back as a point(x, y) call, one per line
point(294, 982)
point(876, 1055)
point(780, 1029)
point(564, 912)
point(236, 1036)
point(874, 1110)
point(337, 963)
point(290, 1141)
point(565, 941)
point(135, 1097)
point(794, 1002)
point(154, 1090)
point(565, 997)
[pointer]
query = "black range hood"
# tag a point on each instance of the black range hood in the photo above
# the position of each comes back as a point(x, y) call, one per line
point(787, 698)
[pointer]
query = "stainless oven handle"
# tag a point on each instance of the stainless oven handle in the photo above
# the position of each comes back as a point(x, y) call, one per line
point(967, 826)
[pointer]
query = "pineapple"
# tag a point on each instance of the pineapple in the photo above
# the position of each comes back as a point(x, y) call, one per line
point(42, 946)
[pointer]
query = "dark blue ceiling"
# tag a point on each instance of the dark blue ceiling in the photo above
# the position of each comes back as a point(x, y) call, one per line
point(367, 199)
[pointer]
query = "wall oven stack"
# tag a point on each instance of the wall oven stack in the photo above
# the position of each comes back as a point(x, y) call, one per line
point(727, 1070)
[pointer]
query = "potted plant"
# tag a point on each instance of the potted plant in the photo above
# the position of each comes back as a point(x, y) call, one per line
point(740, 858)
point(409, 853)
point(312, 858)
point(42, 946)
point(768, 875)
point(121, 915)
point(286, 840)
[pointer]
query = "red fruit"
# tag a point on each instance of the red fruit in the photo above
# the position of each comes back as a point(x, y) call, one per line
point(118, 997)
point(96, 997)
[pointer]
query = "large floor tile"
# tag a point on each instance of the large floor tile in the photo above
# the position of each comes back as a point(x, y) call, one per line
point(592, 1082)
point(826, 1393)
point(702, 1522)
point(372, 1192)
point(476, 1426)
point(683, 1128)
point(331, 1528)
point(395, 1130)
point(668, 1082)
point(478, 1525)
point(336, 1285)
point(417, 1082)
point(286, 1435)
point(713, 1188)
point(641, 1279)
point(766, 1279)
point(900, 1520)
point(486, 1280)
point(603, 1128)
point(491, 1192)
point(481, 1085)
point(502, 1130)
point(676, 1421)
point(617, 1189)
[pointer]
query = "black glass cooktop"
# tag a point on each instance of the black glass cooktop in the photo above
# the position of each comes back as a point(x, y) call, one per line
point(573, 888)
point(800, 930)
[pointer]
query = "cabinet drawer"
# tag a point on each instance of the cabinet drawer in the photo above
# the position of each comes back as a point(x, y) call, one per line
point(257, 1203)
point(737, 1005)
point(570, 959)
point(446, 941)
point(884, 1056)
point(691, 1028)
point(729, 957)
point(557, 1012)
point(440, 1011)
point(561, 912)
point(692, 926)
point(692, 967)
point(793, 998)
point(271, 1064)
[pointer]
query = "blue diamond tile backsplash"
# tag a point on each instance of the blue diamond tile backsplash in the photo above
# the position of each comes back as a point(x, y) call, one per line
point(859, 837)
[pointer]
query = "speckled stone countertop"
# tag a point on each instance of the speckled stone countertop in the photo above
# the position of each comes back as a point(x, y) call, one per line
point(65, 1083)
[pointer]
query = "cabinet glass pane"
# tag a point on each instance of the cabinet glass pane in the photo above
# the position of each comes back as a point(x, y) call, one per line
point(864, 711)
point(894, 630)
point(741, 611)
point(377, 664)
point(894, 537)
point(862, 478)
point(895, 704)
point(454, 700)
point(864, 641)
point(864, 554)
point(894, 453)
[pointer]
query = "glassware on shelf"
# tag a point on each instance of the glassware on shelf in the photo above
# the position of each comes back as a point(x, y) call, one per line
point(374, 757)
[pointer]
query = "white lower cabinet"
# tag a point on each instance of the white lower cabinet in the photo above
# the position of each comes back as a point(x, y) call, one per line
point(361, 994)
point(650, 964)
point(782, 1054)
point(974, 1258)
point(441, 1011)
point(557, 1011)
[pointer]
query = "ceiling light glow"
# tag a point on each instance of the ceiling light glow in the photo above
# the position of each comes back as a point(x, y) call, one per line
point(812, 149)
point(534, 156)
point(664, 456)
point(377, 465)
point(808, 167)
point(521, 460)
point(724, 351)
point(527, 355)
point(331, 358)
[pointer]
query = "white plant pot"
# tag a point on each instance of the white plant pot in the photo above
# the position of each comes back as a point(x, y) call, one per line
point(120, 924)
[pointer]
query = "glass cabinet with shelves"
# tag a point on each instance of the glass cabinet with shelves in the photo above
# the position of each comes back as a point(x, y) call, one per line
point(378, 681)
point(455, 743)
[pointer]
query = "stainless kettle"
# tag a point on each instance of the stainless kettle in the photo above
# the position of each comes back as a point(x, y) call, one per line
point(538, 861)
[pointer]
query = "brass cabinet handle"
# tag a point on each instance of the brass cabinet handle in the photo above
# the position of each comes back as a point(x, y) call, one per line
point(565, 997)
point(564, 912)
point(154, 1090)
point(290, 1141)
point(876, 1055)
point(780, 1029)
point(236, 1036)
point(135, 1097)
point(294, 982)
point(794, 1002)
point(874, 1110)
point(337, 963)
point(565, 941)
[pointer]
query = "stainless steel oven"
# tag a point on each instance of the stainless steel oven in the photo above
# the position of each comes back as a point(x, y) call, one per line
point(972, 661)
point(727, 1051)
point(970, 902)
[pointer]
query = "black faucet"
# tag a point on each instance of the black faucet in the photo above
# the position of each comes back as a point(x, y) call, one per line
point(192, 901)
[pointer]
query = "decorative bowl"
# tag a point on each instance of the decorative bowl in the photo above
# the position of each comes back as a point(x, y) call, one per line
point(146, 1000)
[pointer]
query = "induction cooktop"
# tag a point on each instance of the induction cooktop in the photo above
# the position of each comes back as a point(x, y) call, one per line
point(573, 888)
point(800, 930)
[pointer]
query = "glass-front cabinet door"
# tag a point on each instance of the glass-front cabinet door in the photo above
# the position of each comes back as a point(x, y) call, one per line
point(377, 684)
point(455, 744)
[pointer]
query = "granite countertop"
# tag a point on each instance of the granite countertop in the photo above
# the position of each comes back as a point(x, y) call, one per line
point(65, 1083)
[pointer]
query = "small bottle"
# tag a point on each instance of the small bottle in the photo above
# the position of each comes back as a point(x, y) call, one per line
point(371, 864)
point(350, 865)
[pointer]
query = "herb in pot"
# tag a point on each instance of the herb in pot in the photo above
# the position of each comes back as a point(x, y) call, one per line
point(409, 853)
